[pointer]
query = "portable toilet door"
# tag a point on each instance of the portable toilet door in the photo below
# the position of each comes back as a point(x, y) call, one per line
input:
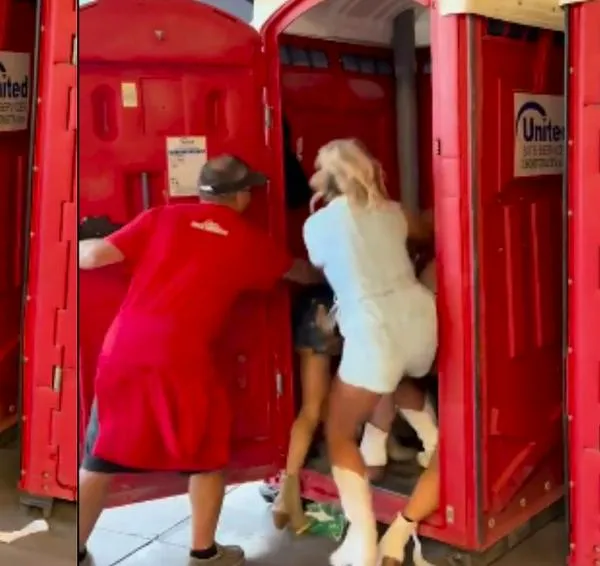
point(49, 383)
point(155, 77)
point(583, 296)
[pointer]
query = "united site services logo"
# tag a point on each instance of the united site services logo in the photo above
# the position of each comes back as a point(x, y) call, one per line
point(11, 88)
point(15, 89)
point(539, 134)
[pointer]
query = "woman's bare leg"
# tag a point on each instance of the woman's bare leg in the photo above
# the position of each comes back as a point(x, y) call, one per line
point(315, 377)
point(423, 502)
point(350, 407)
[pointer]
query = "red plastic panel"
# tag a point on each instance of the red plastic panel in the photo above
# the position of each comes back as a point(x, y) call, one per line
point(362, 107)
point(452, 195)
point(16, 36)
point(49, 388)
point(519, 255)
point(583, 368)
point(188, 83)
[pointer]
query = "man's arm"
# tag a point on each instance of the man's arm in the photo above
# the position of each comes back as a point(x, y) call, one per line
point(97, 253)
point(127, 243)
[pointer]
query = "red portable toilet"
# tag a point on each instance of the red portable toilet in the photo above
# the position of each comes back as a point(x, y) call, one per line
point(497, 141)
point(583, 182)
point(498, 217)
point(38, 110)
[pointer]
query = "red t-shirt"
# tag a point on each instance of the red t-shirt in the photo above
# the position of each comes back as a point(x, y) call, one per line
point(189, 263)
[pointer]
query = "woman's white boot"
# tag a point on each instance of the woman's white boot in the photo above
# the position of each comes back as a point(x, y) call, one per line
point(360, 545)
point(425, 425)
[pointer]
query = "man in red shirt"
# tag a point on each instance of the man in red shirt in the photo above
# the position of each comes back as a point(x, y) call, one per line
point(160, 402)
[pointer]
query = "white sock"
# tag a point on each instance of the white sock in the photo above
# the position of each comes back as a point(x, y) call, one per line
point(425, 425)
point(373, 446)
point(393, 542)
point(360, 546)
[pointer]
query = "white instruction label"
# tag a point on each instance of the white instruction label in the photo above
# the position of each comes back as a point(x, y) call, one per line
point(539, 134)
point(185, 158)
point(129, 95)
point(15, 88)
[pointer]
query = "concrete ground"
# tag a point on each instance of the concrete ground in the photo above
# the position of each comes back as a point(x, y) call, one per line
point(57, 547)
point(157, 533)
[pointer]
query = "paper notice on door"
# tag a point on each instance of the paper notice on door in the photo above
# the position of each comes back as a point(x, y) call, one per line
point(129, 95)
point(185, 158)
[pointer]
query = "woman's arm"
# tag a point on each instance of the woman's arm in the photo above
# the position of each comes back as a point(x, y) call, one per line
point(97, 253)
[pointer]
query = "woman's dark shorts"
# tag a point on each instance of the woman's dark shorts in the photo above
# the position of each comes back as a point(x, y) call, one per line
point(307, 333)
point(92, 463)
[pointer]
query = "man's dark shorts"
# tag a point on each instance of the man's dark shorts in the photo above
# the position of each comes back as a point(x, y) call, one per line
point(307, 333)
point(92, 463)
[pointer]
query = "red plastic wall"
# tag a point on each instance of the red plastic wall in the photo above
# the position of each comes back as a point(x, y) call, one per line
point(363, 106)
point(17, 34)
point(583, 389)
point(187, 85)
point(49, 447)
point(520, 302)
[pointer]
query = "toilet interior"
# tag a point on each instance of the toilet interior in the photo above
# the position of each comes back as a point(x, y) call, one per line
point(349, 70)
point(338, 80)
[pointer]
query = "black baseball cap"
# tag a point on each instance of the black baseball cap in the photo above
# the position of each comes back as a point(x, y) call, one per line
point(227, 174)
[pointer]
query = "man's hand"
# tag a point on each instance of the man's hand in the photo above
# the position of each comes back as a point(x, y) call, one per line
point(304, 273)
point(97, 253)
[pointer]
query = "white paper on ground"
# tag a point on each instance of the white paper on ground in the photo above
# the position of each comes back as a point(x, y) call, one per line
point(39, 526)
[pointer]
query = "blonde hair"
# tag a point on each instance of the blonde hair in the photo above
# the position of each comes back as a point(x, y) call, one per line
point(352, 172)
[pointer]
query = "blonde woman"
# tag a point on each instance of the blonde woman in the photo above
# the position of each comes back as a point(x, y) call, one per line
point(386, 317)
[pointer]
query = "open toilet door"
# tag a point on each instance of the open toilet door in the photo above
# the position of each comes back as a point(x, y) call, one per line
point(583, 294)
point(518, 137)
point(156, 77)
point(49, 381)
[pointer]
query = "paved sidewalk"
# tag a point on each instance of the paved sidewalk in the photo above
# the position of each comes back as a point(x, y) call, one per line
point(157, 534)
point(54, 548)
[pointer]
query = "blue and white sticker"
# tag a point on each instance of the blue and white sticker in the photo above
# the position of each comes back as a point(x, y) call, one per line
point(539, 125)
point(15, 90)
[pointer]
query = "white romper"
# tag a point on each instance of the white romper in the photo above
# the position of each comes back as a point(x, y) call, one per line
point(387, 317)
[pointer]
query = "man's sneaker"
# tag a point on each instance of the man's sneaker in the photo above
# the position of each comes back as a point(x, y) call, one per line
point(226, 556)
